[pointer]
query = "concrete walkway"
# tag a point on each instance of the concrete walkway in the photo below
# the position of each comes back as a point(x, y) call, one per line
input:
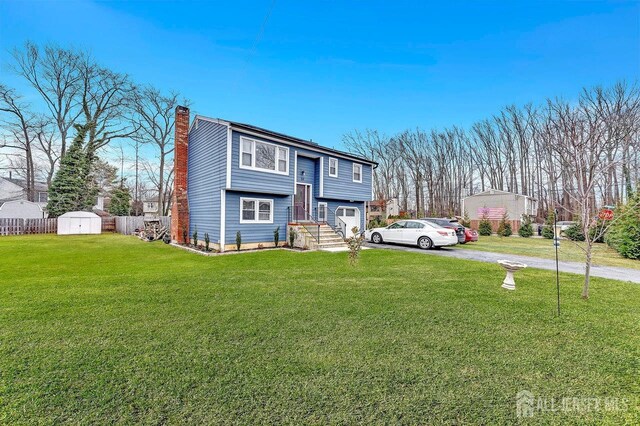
point(611, 272)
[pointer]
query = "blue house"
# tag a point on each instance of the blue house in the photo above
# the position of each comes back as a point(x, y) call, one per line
point(244, 178)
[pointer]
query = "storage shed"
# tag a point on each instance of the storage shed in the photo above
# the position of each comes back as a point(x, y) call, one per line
point(79, 223)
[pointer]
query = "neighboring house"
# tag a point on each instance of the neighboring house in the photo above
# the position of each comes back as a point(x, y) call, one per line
point(12, 189)
point(493, 204)
point(150, 207)
point(381, 209)
point(252, 180)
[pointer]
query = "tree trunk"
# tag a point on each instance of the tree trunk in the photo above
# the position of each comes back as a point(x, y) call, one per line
point(587, 271)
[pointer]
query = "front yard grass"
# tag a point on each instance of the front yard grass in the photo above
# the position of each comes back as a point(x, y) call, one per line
point(603, 255)
point(109, 329)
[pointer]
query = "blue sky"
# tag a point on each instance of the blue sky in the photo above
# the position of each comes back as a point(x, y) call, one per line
point(322, 68)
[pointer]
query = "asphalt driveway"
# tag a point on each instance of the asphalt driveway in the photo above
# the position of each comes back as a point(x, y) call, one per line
point(611, 272)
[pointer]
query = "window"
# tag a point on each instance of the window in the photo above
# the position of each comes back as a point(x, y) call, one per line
point(263, 156)
point(256, 211)
point(42, 197)
point(415, 225)
point(333, 167)
point(357, 172)
point(397, 225)
point(322, 212)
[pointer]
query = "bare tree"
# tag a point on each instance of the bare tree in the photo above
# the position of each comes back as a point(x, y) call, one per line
point(106, 101)
point(153, 120)
point(19, 122)
point(55, 74)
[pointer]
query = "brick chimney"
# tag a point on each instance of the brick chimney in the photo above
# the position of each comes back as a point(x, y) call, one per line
point(180, 204)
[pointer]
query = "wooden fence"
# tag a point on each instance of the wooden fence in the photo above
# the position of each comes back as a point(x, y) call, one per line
point(109, 224)
point(28, 226)
point(120, 224)
point(128, 224)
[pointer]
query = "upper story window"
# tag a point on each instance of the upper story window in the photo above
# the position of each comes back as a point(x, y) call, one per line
point(253, 210)
point(333, 167)
point(357, 172)
point(42, 197)
point(263, 156)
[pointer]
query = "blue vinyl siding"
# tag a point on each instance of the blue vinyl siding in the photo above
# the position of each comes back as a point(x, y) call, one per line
point(255, 180)
point(308, 166)
point(255, 232)
point(206, 177)
point(343, 187)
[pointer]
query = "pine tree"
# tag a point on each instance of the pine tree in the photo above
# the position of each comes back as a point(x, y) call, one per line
point(525, 230)
point(73, 188)
point(484, 227)
point(504, 228)
point(624, 234)
point(548, 231)
point(120, 204)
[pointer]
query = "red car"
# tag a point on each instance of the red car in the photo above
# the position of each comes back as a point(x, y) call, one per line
point(470, 235)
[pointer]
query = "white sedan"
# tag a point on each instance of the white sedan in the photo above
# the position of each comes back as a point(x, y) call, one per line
point(423, 233)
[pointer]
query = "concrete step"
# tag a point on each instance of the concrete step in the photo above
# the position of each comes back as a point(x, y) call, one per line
point(321, 245)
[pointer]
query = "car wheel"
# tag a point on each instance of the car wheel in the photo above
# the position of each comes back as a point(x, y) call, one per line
point(376, 238)
point(425, 243)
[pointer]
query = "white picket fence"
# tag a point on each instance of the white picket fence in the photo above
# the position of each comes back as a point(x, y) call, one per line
point(128, 224)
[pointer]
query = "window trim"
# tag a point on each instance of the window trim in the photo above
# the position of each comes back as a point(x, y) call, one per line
point(253, 156)
point(353, 172)
point(257, 210)
point(337, 162)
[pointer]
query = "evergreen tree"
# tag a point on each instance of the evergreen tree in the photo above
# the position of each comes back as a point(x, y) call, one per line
point(484, 227)
point(73, 188)
point(548, 230)
point(120, 204)
point(526, 229)
point(624, 234)
point(504, 228)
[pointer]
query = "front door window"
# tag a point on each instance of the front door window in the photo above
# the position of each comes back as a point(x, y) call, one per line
point(302, 202)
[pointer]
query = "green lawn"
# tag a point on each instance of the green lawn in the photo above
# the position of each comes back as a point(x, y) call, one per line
point(542, 247)
point(109, 329)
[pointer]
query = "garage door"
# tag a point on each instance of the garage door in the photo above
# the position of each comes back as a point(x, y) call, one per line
point(350, 217)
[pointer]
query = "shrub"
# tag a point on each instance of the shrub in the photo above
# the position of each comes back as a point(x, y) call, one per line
point(355, 245)
point(276, 236)
point(574, 232)
point(624, 234)
point(238, 240)
point(206, 241)
point(526, 229)
point(548, 230)
point(376, 223)
point(195, 236)
point(504, 228)
point(292, 237)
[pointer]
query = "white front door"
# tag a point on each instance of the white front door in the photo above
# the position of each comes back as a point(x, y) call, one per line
point(350, 217)
point(322, 212)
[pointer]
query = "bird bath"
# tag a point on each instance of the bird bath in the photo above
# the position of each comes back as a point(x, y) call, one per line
point(510, 267)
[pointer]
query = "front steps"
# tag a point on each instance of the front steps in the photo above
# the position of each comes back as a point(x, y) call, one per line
point(329, 240)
